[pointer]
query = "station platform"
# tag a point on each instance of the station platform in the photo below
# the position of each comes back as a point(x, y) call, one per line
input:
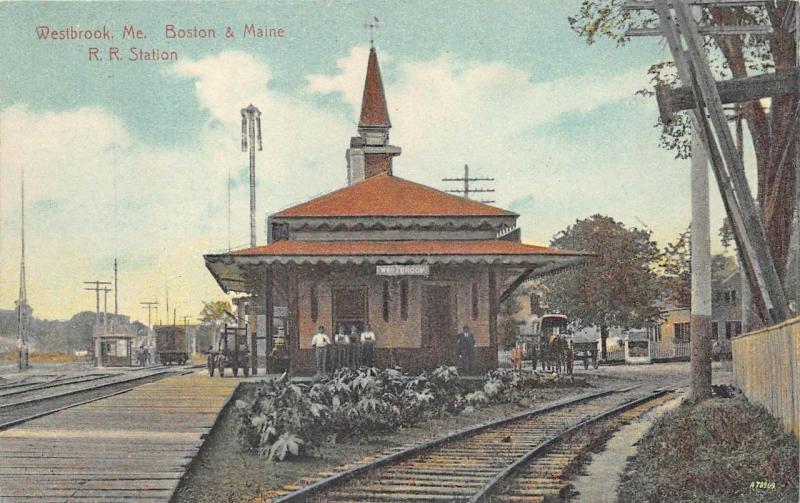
point(134, 446)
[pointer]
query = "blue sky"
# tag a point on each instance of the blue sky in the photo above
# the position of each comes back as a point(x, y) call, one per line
point(504, 86)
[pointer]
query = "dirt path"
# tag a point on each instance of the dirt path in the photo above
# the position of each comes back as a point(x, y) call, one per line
point(600, 478)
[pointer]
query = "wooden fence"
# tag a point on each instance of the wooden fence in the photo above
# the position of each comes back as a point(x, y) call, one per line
point(765, 369)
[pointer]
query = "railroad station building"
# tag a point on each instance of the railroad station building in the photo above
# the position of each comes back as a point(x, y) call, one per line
point(413, 262)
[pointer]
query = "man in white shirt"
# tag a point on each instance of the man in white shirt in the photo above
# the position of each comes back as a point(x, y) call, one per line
point(367, 345)
point(342, 342)
point(320, 342)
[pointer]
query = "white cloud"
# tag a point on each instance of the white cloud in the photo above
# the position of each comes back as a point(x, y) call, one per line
point(447, 112)
point(172, 201)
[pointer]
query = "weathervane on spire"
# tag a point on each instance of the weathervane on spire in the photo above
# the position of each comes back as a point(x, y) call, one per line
point(372, 25)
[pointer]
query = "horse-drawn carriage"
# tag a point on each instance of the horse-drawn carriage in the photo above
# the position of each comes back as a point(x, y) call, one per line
point(550, 344)
point(231, 350)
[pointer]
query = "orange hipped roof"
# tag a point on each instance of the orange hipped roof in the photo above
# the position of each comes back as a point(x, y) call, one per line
point(416, 247)
point(389, 196)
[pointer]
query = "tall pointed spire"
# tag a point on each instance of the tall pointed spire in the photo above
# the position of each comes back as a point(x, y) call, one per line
point(370, 153)
point(374, 112)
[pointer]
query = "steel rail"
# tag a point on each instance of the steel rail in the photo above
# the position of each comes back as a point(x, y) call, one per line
point(81, 390)
point(483, 494)
point(17, 421)
point(5, 392)
point(303, 493)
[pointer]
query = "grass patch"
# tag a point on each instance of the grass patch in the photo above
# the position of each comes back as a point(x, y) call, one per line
point(720, 450)
point(42, 358)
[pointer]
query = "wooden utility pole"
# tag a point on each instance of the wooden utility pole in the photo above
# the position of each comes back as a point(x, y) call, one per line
point(105, 309)
point(251, 130)
point(700, 317)
point(96, 289)
point(116, 297)
point(193, 340)
point(467, 190)
point(150, 306)
point(22, 300)
point(684, 39)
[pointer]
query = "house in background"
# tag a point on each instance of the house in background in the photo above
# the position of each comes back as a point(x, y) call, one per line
point(726, 307)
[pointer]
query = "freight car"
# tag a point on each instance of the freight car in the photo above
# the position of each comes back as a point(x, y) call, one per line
point(172, 344)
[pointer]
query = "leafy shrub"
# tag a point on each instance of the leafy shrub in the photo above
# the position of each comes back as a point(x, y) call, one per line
point(280, 418)
point(718, 450)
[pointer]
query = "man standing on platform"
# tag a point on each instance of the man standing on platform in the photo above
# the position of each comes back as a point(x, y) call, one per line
point(465, 345)
point(320, 342)
point(342, 342)
point(355, 347)
point(367, 345)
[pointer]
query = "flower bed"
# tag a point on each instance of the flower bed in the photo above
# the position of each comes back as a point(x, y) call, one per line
point(281, 418)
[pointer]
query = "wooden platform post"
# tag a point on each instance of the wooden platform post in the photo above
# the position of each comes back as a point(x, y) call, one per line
point(269, 313)
point(493, 311)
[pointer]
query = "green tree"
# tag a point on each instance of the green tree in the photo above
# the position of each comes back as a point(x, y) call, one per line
point(211, 317)
point(215, 312)
point(617, 286)
point(731, 56)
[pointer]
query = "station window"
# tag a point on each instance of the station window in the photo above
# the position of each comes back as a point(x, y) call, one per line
point(404, 299)
point(314, 303)
point(475, 300)
point(386, 300)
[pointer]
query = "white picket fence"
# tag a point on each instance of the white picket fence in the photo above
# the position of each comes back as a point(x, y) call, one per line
point(665, 350)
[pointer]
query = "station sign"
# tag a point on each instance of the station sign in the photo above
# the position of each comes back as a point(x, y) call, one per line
point(403, 270)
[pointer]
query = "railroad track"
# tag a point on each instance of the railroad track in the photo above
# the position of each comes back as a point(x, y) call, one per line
point(520, 458)
point(51, 397)
point(17, 389)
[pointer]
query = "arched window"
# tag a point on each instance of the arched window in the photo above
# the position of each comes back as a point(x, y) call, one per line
point(474, 300)
point(314, 304)
point(404, 299)
point(386, 300)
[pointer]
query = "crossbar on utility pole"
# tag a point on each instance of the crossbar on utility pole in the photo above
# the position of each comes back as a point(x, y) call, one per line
point(467, 188)
point(150, 306)
point(694, 72)
point(96, 289)
point(726, 163)
point(760, 257)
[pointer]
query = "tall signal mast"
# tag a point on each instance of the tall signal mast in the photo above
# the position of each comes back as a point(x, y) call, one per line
point(251, 130)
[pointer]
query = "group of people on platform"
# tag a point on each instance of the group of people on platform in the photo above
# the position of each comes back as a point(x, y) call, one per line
point(355, 349)
point(347, 349)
